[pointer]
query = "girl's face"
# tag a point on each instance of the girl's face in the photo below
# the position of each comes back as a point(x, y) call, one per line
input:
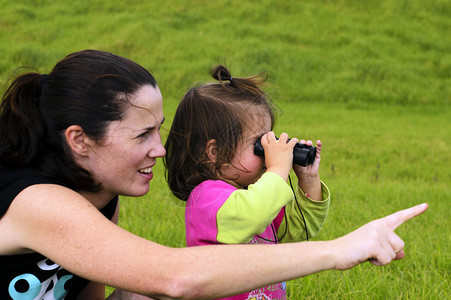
point(122, 162)
point(246, 167)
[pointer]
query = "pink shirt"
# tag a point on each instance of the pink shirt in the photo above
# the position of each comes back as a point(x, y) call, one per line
point(207, 214)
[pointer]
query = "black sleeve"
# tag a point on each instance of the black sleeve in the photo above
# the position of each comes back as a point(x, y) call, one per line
point(12, 182)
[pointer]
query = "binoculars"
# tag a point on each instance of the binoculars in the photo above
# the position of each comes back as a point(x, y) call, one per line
point(303, 155)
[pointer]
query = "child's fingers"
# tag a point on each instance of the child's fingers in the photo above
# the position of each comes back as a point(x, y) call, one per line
point(292, 142)
point(270, 136)
point(283, 137)
point(319, 146)
point(308, 142)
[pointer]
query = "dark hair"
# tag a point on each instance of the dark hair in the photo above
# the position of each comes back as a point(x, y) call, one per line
point(211, 111)
point(88, 88)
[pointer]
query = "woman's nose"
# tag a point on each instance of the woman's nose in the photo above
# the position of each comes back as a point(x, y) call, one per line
point(158, 149)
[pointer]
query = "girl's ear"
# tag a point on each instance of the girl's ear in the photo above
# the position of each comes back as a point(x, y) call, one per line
point(211, 150)
point(77, 140)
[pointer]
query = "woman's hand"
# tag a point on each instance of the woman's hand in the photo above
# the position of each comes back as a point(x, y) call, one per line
point(376, 241)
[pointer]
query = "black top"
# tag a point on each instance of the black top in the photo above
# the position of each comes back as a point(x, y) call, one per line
point(33, 276)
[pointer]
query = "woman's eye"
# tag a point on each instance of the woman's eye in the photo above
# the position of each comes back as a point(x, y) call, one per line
point(144, 134)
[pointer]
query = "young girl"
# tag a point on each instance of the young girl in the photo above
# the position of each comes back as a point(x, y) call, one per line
point(234, 196)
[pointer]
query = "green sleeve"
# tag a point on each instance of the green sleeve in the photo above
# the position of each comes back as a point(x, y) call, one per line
point(248, 212)
point(292, 228)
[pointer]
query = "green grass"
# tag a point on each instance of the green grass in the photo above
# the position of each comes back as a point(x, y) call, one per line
point(371, 79)
point(376, 160)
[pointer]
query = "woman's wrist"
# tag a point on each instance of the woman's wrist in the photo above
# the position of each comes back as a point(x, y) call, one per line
point(324, 255)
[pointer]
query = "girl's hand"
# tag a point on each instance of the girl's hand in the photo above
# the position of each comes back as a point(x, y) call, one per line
point(308, 177)
point(278, 153)
point(309, 170)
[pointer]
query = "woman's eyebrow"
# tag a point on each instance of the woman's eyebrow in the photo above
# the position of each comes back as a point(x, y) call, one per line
point(153, 127)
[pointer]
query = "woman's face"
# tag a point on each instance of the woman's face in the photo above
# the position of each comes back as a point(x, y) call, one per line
point(122, 162)
point(246, 167)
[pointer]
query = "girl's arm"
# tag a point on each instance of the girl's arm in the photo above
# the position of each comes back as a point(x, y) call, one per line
point(303, 212)
point(66, 228)
point(311, 208)
point(247, 213)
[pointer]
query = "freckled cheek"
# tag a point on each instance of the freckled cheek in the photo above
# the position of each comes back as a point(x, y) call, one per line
point(120, 161)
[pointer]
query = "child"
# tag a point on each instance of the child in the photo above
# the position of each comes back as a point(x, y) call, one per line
point(234, 196)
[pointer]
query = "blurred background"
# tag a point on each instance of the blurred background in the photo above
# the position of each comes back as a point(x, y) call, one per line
point(371, 79)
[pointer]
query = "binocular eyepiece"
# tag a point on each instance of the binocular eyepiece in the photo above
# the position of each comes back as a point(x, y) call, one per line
point(303, 155)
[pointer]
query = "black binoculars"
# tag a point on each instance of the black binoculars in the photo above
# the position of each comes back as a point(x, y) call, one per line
point(303, 155)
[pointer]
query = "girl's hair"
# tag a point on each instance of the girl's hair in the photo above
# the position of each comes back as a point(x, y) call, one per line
point(218, 111)
point(88, 88)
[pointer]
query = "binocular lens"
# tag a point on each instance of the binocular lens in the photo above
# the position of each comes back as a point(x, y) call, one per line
point(303, 155)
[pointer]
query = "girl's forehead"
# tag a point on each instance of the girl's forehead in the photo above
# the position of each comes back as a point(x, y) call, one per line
point(257, 124)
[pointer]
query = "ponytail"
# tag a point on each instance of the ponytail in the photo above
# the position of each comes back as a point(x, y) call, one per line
point(22, 128)
point(252, 85)
point(218, 111)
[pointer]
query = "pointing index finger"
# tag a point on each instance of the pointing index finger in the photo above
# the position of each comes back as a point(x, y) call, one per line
point(398, 218)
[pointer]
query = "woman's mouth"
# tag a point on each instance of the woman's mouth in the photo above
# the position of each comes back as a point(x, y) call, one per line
point(145, 170)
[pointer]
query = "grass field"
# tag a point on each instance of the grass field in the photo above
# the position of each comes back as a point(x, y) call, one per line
point(371, 79)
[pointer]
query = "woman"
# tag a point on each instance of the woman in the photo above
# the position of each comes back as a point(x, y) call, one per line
point(70, 143)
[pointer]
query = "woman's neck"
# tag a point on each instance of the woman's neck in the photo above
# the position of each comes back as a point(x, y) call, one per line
point(99, 199)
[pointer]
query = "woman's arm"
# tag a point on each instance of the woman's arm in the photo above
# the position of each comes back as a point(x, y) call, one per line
point(124, 295)
point(96, 290)
point(69, 230)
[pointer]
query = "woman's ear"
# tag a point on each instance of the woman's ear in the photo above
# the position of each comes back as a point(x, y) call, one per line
point(211, 150)
point(77, 140)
